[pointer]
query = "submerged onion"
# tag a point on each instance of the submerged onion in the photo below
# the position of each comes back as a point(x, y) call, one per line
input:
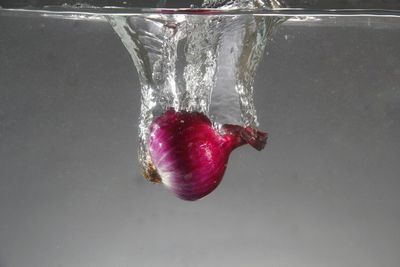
point(189, 156)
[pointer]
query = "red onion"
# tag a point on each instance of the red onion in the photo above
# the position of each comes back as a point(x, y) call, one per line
point(189, 156)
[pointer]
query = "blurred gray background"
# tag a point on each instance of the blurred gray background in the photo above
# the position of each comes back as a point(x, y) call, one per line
point(325, 191)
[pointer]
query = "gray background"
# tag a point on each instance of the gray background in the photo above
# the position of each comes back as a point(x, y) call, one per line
point(325, 192)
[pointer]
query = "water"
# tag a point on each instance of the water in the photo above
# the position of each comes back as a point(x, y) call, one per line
point(325, 192)
point(217, 55)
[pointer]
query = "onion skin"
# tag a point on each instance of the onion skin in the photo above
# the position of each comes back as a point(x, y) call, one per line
point(189, 156)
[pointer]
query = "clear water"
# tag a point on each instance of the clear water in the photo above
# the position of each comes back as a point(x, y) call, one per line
point(195, 63)
point(325, 192)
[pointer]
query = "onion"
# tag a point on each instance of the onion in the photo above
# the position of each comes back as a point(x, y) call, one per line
point(189, 156)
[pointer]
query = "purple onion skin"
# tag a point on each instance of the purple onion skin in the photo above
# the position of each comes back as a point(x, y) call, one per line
point(189, 156)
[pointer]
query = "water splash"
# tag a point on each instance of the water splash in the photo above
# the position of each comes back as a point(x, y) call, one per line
point(197, 62)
